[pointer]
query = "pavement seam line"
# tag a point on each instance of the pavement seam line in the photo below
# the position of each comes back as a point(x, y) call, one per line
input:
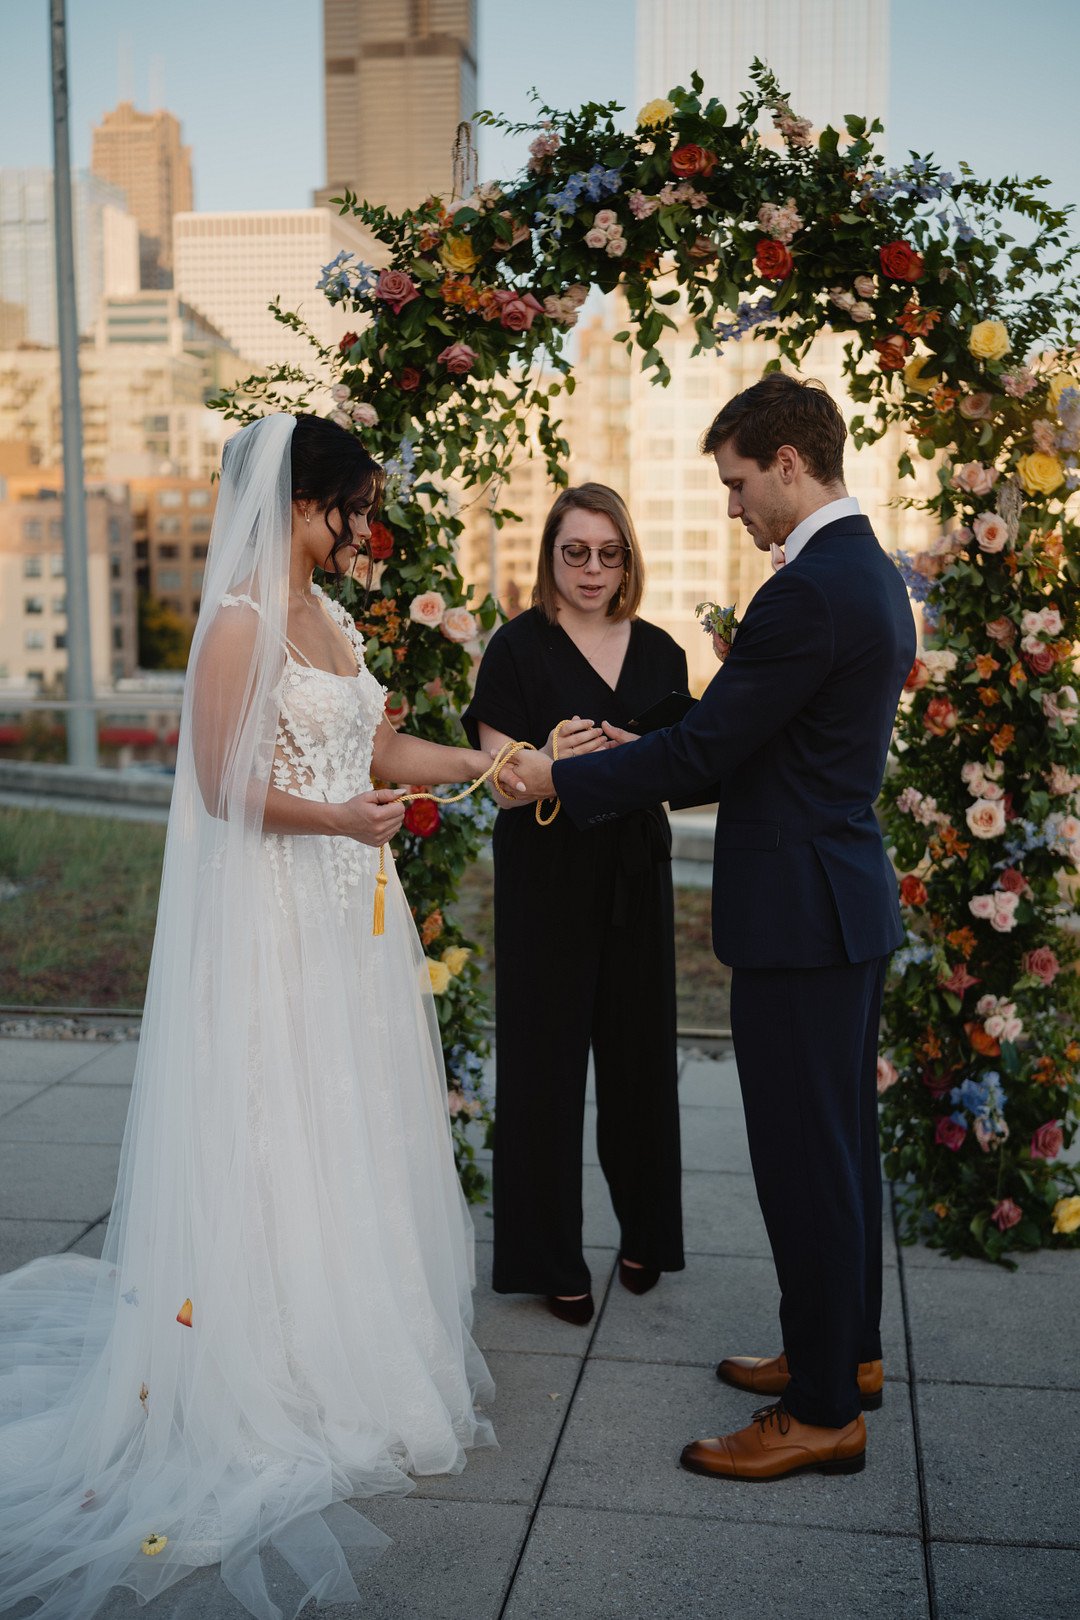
point(913, 1396)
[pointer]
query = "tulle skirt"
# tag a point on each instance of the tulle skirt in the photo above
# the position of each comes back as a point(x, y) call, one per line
point(280, 1319)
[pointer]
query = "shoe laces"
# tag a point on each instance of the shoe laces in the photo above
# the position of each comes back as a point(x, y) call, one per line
point(774, 1416)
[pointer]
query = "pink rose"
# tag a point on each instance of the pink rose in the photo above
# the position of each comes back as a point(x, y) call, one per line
point(982, 905)
point(865, 286)
point(606, 218)
point(1003, 631)
point(947, 1133)
point(1038, 656)
point(976, 407)
point(458, 358)
point(986, 818)
point(1048, 1141)
point(366, 415)
point(596, 238)
point(517, 310)
point(886, 1075)
point(458, 625)
point(991, 532)
point(1042, 963)
point(1060, 705)
point(1003, 919)
point(1006, 1214)
point(427, 609)
point(616, 247)
point(862, 311)
point(397, 289)
point(974, 478)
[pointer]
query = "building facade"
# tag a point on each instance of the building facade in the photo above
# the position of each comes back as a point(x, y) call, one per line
point(33, 593)
point(143, 154)
point(401, 66)
point(106, 239)
point(172, 519)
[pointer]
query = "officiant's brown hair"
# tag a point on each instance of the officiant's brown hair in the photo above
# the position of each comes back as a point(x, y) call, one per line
point(782, 410)
point(591, 498)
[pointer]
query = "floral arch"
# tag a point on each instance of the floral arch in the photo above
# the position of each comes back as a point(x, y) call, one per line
point(955, 328)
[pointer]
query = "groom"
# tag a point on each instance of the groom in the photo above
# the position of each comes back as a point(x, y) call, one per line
point(791, 738)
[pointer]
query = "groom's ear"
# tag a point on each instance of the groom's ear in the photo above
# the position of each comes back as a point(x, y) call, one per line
point(789, 463)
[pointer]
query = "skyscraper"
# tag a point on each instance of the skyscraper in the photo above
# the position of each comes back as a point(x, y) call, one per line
point(142, 153)
point(106, 251)
point(400, 76)
point(830, 56)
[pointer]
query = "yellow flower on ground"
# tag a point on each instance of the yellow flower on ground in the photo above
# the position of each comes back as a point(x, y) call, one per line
point(1057, 386)
point(439, 974)
point(1040, 473)
point(913, 378)
point(458, 254)
point(154, 1544)
point(1067, 1215)
point(989, 340)
point(455, 957)
point(655, 113)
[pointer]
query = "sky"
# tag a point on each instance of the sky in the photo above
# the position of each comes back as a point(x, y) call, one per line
point(245, 79)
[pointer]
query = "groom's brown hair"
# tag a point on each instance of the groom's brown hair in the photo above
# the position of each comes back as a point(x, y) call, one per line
point(782, 410)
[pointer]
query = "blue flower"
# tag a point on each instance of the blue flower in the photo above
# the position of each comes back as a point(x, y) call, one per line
point(964, 231)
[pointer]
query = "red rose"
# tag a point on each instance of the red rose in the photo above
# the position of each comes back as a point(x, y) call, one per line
point(347, 342)
point(936, 1084)
point(380, 542)
point(1006, 1214)
point(1042, 660)
point(900, 262)
point(893, 351)
point(409, 379)
point(690, 160)
point(1048, 1141)
point(912, 890)
point(947, 1133)
point(1042, 963)
point(940, 717)
point(1016, 883)
point(422, 818)
point(918, 677)
point(773, 260)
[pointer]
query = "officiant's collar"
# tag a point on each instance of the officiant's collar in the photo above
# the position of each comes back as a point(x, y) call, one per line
point(848, 506)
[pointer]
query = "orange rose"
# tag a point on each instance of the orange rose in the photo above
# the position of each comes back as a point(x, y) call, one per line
point(940, 717)
point(981, 1042)
point(690, 160)
point(912, 890)
point(893, 351)
point(917, 677)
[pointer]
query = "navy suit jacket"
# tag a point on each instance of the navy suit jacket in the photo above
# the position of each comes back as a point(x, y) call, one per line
point(791, 738)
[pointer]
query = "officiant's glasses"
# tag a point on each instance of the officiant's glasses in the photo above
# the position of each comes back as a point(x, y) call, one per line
point(576, 554)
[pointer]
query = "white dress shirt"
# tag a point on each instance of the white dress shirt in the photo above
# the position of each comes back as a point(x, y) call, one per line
point(804, 531)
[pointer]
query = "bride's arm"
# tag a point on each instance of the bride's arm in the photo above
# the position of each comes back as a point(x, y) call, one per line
point(397, 757)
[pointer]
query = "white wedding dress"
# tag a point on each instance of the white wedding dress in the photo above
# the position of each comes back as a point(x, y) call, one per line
point(280, 1319)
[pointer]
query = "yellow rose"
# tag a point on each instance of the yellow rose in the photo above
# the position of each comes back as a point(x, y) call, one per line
point(989, 341)
point(1067, 1214)
point(1040, 473)
point(1057, 386)
point(439, 974)
point(457, 254)
point(655, 113)
point(455, 957)
point(914, 380)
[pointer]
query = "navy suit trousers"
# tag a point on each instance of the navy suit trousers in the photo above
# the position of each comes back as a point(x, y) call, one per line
point(806, 1042)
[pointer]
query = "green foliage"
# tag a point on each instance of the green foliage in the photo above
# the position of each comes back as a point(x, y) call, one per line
point(455, 368)
point(164, 638)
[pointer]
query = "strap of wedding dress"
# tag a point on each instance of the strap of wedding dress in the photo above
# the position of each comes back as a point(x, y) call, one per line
point(247, 601)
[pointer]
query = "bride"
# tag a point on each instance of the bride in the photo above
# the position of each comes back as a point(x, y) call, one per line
point(280, 1317)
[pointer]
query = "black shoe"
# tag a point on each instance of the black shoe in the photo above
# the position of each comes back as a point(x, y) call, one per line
point(575, 1311)
point(639, 1279)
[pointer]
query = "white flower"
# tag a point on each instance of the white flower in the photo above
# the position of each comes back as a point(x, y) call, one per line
point(986, 818)
point(940, 662)
point(1052, 621)
point(365, 414)
point(339, 393)
point(1061, 705)
point(995, 1025)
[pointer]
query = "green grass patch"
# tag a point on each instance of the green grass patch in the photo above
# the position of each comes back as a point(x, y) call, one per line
point(78, 930)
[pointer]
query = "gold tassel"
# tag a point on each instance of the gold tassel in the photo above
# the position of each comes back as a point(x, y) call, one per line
point(378, 922)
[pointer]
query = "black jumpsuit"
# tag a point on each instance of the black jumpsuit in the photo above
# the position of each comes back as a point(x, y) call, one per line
point(584, 955)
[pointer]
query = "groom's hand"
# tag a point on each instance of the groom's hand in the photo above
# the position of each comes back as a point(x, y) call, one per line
point(615, 735)
point(528, 776)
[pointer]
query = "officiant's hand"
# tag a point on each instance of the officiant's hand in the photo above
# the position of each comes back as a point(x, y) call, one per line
point(575, 736)
point(616, 736)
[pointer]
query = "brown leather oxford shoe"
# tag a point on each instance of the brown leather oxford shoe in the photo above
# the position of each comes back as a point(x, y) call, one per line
point(769, 1375)
point(776, 1444)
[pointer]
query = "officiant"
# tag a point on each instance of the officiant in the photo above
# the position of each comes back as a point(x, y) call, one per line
point(584, 929)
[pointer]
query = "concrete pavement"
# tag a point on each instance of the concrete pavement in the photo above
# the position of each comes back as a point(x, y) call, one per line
point(969, 1508)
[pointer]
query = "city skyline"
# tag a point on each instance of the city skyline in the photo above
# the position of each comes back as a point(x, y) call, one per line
point(257, 133)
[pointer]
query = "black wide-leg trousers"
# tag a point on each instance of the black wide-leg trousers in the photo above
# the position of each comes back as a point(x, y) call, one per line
point(584, 956)
point(806, 1044)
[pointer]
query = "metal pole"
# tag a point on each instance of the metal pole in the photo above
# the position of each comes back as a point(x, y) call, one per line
point(81, 722)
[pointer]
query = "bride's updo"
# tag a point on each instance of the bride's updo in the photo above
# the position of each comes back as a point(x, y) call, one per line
point(331, 467)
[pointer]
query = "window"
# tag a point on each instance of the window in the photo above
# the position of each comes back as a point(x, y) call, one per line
point(56, 567)
point(168, 525)
point(169, 579)
point(198, 498)
point(699, 385)
point(690, 599)
point(696, 540)
point(170, 497)
point(118, 638)
point(172, 604)
point(200, 525)
point(37, 676)
point(114, 531)
point(117, 603)
point(34, 604)
point(34, 640)
point(32, 528)
point(659, 599)
point(56, 529)
point(199, 553)
point(168, 553)
point(701, 509)
point(116, 568)
point(661, 568)
point(59, 641)
point(31, 568)
point(659, 509)
point(196, 579)
point(59, 604)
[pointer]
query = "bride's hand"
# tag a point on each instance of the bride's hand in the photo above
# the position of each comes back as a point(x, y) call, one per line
point(373, 818)
point(576, 736)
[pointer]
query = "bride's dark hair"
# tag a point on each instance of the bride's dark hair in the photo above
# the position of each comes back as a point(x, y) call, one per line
point(331, 467)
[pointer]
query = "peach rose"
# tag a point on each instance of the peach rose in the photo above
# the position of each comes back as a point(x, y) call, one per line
point(396, 289)
point(986, 818)
point(458, 359)
point(457, 624)
point(1048, 1141)
point(991, 532)
point(427, 609)
point(940, 717)
point(1003, 631)
point(976, 407)
point(886, 1074)
point(1042, 963)
point(975, 479)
